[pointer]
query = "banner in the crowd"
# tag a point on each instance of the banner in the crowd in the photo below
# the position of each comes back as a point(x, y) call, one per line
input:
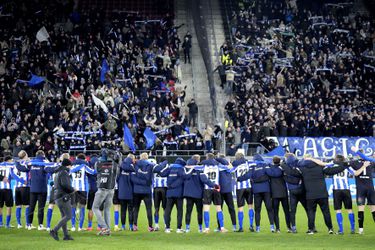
point(325, 147)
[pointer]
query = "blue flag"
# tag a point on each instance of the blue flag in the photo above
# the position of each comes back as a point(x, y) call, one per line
point(150, 137)
point(128, 138)
point(278, 151)
point(104, 70)
point(187, 129)
point(35, 80)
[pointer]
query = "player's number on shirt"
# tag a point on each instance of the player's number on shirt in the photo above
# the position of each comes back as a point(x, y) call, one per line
point(78, 174)
point(211, 175)
point(241, 172)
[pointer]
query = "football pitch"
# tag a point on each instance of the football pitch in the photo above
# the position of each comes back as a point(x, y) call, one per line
point(24, 239)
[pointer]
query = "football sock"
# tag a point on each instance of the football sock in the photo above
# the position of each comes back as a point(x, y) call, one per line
point(339, 221)
point(240, 219)
point(82, 217)
point(18, 215)
point(220, 217)
point(73, 217)
point(156, 219)
point(352, 221)
point(8, 220)
point(361, 217)
point(116, 218)
point(251, 217)
point(206, 215)
point(49, 217)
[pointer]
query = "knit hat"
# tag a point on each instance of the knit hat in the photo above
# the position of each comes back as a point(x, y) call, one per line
point(66, 162)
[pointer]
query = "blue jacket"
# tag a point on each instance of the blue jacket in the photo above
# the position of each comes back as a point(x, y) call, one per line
point(142, 180)
point(176, 175)
point(38, 169)
point(259, 176)
point(91, 178)
point(225, 178)
point(293, 183)
point(209, 162)
point(194, 182)
point(125, 186)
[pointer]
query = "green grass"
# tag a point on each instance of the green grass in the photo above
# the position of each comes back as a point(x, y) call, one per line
point(23, 239)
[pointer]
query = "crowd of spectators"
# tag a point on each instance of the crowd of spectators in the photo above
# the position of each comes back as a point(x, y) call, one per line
point(139, 89)
point(298, 68)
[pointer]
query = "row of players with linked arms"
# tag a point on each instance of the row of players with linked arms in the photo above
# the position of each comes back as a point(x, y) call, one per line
point(210, 181)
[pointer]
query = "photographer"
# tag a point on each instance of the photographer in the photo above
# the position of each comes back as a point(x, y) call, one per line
point(107, 170)
point(62, 193)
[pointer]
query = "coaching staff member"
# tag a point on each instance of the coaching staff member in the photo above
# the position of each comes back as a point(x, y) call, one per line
point(313, 174)
point(63, 190)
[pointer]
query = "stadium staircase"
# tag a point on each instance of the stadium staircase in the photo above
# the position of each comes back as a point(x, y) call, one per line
point(194, 75)
point(216, 38)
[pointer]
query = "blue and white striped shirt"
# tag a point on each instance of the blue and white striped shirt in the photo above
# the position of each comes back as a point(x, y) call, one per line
point(212, 173)
point(5, 169)
point(159, 181)
point(240, 171)
point(24, 178)
point(79, 178)
point(340, 180)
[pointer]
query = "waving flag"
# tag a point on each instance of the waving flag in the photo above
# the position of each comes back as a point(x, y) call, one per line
point(128, 138)
point(150, 137)
point(104, 70)
point(99, 103)
point(42, 35)
point(35, 80)
point(278, 151)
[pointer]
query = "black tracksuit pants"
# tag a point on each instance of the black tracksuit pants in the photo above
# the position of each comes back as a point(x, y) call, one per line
point(266, 198)
point(41, 198)
point(189, 208)
point(127, 205)
point(311, 210)
point(228, 198)
point(296, 196)
point(137, 199)
point(168, 210)
point(275, 205)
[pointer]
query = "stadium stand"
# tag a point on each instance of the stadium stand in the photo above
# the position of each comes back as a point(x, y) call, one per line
point(303, 69)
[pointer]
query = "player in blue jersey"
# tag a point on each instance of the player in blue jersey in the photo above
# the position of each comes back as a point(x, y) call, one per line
point(259, 176)
point(160, 195)
point(279, 194)
point(212, 195)
point(91, 194)
point(78, 174)
point(297, 192)
point(244, 191)
point(364, 171)
point(125, 190)
point(142, 181)
point(38, 169)
point(6, 196)
point(193, 192)
point(226, 190)
point(22, 193)
point(176, 173)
